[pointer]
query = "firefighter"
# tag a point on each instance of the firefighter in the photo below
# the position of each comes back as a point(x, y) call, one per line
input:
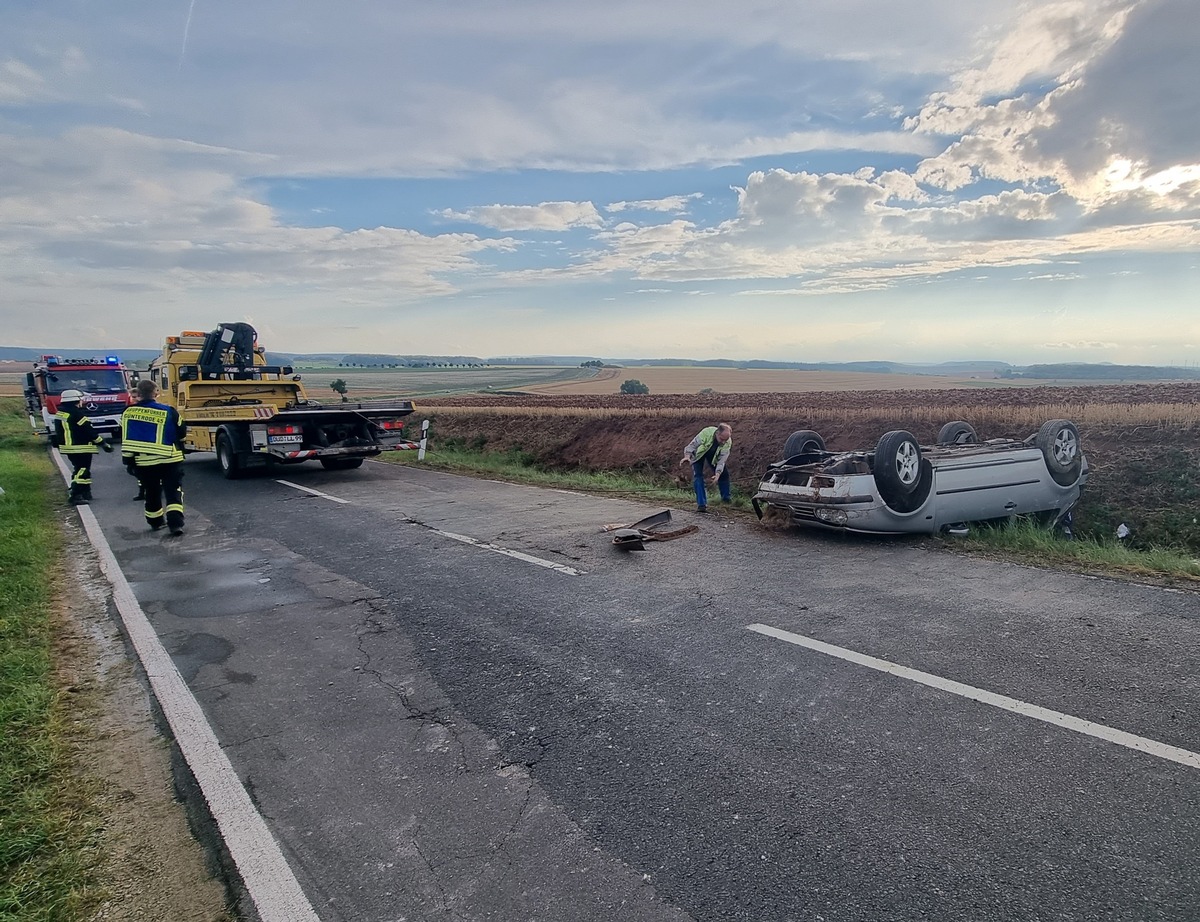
point(79, 441)
point(152, 435)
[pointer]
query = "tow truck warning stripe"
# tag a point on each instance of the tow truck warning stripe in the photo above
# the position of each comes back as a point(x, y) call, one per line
point(1025, 709)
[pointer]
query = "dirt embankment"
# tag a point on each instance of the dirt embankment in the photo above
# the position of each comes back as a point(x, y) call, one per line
point(1142, 441)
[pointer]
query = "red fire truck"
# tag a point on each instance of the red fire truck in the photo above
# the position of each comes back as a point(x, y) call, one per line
point(105, 386)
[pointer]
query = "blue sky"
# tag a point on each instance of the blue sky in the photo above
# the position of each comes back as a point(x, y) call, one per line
point(834, 180)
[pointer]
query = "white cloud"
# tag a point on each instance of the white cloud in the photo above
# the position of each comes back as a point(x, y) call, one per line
point(548, 216)
point(671, 204)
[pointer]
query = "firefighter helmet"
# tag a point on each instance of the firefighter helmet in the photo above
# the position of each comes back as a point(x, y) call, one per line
point(70, 396)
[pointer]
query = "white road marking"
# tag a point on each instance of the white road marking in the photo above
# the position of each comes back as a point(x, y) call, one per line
point(1066, 721)
point(528, 558)
point(296, 486)
point(270, 882)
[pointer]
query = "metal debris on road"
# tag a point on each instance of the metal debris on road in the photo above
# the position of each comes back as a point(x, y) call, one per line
point(633, 537)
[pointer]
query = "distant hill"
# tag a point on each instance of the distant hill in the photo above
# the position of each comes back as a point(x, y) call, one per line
point(1105, 372)
point(1077, 371)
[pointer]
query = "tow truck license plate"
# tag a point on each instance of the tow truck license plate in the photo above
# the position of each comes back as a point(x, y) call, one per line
point(285, 439)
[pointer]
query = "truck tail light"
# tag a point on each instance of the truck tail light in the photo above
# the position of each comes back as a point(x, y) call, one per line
point(283, 430)
point(390, 423)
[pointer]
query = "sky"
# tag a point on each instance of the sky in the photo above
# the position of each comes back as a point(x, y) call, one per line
point(832, 180)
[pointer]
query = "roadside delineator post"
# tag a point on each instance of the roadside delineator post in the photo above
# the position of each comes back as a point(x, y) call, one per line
point(424, 440)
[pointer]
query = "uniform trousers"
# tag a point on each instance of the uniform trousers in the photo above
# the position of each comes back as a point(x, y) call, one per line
point(163, 481)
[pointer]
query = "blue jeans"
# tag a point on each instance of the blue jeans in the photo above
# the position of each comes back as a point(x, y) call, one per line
point(698, 483)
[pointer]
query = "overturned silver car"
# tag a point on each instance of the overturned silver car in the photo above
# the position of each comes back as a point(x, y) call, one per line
point(902, 487)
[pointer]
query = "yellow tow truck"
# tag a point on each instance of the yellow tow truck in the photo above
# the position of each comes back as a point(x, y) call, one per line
point(252, 414)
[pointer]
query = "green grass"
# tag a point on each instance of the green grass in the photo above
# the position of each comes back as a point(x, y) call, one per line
point(1027, 541)
point(1022, 540)
point(44, 828)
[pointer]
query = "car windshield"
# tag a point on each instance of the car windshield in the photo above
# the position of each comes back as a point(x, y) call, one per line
point(88, 380)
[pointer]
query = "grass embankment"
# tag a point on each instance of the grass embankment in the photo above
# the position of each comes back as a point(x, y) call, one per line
point(44, 818)
point(1021, 540)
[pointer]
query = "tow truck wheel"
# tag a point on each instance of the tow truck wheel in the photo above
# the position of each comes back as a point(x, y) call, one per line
point(227, 458)
point(341, 464)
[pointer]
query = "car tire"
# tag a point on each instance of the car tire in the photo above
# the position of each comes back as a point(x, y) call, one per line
point(957, 433)
point(341, 464)
point(1059, 441)
point(801, 442)
point(902, 476)
point(227, 458)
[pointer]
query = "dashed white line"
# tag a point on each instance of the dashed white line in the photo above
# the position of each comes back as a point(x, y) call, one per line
point(475, 542)
point(1025, 709)
point(296, 486)
point(495, 548)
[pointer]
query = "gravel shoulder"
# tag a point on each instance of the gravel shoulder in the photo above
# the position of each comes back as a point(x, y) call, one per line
point(146, 864)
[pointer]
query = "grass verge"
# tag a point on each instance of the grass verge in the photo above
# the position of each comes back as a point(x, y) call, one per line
point(1030, 543)
point(44, 825)
point(1021, 540)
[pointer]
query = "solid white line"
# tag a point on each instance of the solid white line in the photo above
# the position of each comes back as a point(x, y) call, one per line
point(276, 892)
point(1078, 725)
point(528, 558)
point(296, 486)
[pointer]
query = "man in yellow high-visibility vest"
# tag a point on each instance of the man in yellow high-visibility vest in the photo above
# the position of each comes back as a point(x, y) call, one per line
point(711, 446)
point(152, 435)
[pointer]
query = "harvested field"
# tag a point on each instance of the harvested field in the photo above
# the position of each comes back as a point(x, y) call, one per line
point(683, 379)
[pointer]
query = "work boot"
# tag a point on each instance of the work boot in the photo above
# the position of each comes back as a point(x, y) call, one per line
point(703, 510)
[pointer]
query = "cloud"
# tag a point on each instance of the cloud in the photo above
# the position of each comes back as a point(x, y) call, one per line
point(548, 216)
point(671, 204)
point(1116, 121)
point(100, 214)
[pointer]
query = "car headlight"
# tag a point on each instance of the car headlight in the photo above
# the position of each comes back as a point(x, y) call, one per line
point(831, 516)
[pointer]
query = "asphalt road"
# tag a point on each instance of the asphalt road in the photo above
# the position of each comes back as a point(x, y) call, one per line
point(453, 699)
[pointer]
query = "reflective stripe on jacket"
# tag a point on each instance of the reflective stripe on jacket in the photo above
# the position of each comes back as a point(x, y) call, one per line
point(151, 432)
point(74, 433)
point(702, 444)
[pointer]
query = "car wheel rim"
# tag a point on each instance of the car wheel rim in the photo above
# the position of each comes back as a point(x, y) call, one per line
point(906, 463)
point(1065, 447)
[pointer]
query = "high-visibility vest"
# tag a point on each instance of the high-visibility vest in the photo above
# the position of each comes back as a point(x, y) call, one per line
point(148, 431)
point(704, 441)
point(73, 436)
